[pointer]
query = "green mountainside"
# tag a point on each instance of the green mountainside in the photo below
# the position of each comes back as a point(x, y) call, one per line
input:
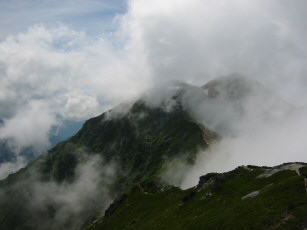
point(248, 197)
point(140, 142)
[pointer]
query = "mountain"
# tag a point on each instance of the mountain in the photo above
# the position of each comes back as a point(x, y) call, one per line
point(248, 197)
point(139, 143)
point(120, 154)
point(228, 102)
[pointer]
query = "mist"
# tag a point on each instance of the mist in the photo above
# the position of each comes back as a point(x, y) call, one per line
point(69, 204)
point(255, 126)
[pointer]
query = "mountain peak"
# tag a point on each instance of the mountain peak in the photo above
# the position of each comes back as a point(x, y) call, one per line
point(233, 86)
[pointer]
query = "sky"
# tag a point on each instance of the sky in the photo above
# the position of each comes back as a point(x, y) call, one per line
point(94, 16)
point(75, 59)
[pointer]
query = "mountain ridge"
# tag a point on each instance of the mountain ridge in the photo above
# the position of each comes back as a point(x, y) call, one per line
point(140, 142)
point(248, 197)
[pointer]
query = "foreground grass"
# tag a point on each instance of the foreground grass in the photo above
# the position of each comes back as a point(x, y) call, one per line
point(216, 203)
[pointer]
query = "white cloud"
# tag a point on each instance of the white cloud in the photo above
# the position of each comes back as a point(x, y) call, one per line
point(255, 127)
point(61, 65)
point(29, 127)
point(53, 72)
point(262, 145)
point(7, 168)
point(199, 40)
point(77, 76)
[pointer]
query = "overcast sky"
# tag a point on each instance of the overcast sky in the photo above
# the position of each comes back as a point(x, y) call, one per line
point(77, 58)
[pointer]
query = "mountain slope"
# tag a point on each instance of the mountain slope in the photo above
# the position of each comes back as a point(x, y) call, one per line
point(248, 197)
point(139, 143)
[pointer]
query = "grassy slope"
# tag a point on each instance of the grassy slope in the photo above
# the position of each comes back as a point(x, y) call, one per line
point(281, 204)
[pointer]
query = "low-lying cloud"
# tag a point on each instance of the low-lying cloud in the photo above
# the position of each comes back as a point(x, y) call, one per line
point(258, 144)
point(255, 126)
point(73, 203)
point(66, 205)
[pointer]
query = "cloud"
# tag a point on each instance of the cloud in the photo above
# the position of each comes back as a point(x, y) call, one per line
point(256, 127)
point(51, 73)
point(7, 168)
point(74, 202)
point(196, 41)
point(58, 72)
point(29, 127)
point(76, 74)
point(65, 69)
point(66, 205)
point(262, 145)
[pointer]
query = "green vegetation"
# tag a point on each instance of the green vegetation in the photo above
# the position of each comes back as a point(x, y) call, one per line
point(220, 201)
point(140, 141)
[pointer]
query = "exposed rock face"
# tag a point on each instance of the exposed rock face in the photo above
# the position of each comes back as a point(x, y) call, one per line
point(290, 166)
